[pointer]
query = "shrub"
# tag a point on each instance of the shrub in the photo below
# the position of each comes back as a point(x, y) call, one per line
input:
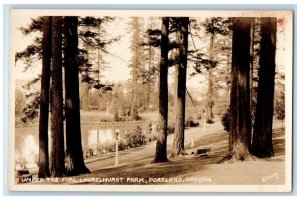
point(135, 138)
point(191, 122)
point(149, 128)
point(280, 106)
point(199, 117)
point(122, 145)
point(125, 119)
point(123, 110)
point(226, 119)
point(210, 121)
point(116, 116)
point(194, 123)
point(151, 137)
point(87, 152)
point(109, 146)
point(134, 112)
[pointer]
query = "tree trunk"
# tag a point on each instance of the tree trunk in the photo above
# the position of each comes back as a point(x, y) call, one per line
point(148, 96)
point(56, 99)
point(251, 53)
point(251, 74)
point(180, 107)
point(161, 143)
point(262, 136)
point(175, 90)
point(75, 165)
point(210, 93)
point(44, 100)
point(149, 81)
point(240, 132)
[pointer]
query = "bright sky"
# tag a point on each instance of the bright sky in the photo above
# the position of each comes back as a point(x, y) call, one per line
point(118, 65)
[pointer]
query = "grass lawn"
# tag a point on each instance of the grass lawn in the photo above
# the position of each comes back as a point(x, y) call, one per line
point(135, 165)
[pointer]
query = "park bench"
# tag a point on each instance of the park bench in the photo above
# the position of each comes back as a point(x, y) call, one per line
point(203, 152)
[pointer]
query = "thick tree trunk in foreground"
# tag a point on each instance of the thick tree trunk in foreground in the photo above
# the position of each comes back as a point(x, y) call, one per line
point(75, 162)
point(178, 143)
point(251, 74)
point(251, 54)
point(240, 132)
point(262, 136)
point(161, 143)
point(56, 99)
point(44, 100)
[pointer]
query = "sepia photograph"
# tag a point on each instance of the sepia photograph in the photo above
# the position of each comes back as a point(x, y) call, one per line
point(150, 100)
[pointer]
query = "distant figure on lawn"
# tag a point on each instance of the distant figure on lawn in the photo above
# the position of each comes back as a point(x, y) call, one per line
point(192, 142)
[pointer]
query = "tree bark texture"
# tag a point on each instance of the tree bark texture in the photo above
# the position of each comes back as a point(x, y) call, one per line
point(240, 132)
point(161, 143)
point(178, 143)
point(44, 99)
point(262, 135)
point(75, 163)
point(56, 99)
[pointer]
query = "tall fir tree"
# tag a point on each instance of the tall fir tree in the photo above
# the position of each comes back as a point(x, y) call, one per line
point(44, 99)
point(240, 132)
point(75, 162)
point(262, 135)
point(161, 143)
point(178, 144)
point(56, 102)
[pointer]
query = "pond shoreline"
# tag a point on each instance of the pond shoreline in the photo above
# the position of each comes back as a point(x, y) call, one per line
point(83, 123)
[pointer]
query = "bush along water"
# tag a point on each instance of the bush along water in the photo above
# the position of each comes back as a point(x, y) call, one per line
point(138, 136)
point(131, 139)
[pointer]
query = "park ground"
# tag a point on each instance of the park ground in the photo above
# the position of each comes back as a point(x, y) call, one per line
point(136, 167)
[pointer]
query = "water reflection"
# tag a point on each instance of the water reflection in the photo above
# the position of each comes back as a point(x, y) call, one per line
point(26, 148)
point(26, 141)
point(97, 137)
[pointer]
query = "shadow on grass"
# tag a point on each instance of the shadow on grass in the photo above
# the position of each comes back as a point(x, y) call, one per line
point(278, 144)
point(218, 143)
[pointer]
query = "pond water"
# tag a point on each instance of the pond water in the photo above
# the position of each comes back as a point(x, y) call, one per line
point(26, 139)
